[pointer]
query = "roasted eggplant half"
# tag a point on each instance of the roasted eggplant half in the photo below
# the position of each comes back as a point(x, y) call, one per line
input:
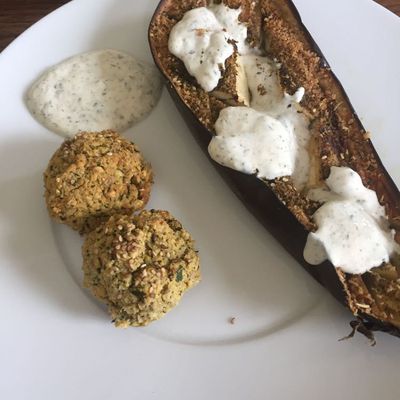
point(337, 138)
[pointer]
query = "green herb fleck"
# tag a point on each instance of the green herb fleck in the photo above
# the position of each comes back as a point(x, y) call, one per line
point(179, 274)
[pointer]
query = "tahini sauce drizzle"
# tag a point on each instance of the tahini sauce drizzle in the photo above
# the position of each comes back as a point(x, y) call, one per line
point(102, 89)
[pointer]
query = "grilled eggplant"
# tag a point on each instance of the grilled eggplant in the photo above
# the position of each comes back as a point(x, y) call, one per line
point(338, 139)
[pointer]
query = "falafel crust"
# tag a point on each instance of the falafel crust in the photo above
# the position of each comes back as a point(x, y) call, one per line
point(95, 175)
point(140, 265)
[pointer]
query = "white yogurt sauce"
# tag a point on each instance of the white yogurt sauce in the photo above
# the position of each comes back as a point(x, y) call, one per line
point(267, 96)
point(263, 82)
point(269, 100)
point(271, 137)
point(229, 19)
point(200, 40)
point(103, 89)
point(353, 231)
point(253, 142)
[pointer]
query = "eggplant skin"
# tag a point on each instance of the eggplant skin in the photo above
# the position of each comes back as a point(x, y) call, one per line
point(342, 140)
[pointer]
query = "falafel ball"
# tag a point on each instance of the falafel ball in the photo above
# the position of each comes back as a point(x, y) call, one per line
point(140, 265)
point(95, 175)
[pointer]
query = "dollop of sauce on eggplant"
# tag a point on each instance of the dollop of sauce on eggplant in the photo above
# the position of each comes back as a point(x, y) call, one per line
point(353, 231)
point(203, 40)
point(253, 142)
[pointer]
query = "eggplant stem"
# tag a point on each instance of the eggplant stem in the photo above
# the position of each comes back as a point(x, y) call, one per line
point(359, 326)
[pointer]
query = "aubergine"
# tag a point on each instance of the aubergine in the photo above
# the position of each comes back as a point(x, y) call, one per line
point(338, 139)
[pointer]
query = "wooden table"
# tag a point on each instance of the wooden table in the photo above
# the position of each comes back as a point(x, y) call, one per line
point(18, 15)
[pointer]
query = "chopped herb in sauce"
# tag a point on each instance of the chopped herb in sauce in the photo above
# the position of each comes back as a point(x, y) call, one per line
point(111, 89)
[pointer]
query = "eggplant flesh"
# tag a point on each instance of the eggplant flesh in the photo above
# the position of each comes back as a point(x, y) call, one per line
point(337, 139)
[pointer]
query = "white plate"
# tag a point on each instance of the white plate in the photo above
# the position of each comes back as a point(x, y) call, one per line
point(58, 343)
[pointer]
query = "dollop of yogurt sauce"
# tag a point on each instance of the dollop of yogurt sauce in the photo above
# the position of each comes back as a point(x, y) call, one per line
point(253, 142)
point(270, 137)
point(268, 98)
point(353, 231)
point(202, 40)
point(102, 89)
